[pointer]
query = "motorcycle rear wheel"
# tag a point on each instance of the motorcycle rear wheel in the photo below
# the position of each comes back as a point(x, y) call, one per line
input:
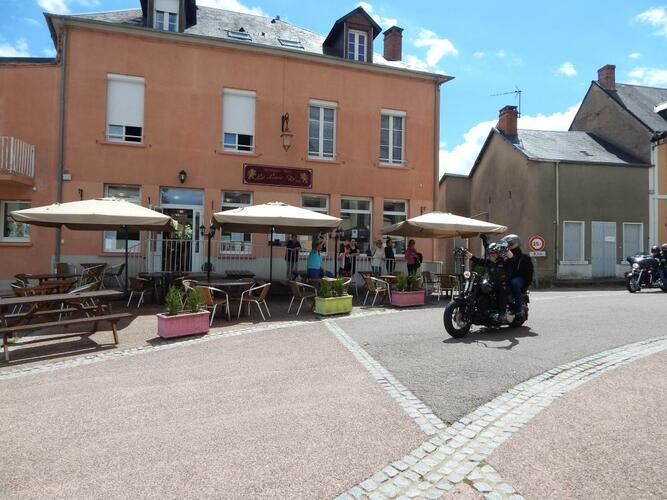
point(455, 325)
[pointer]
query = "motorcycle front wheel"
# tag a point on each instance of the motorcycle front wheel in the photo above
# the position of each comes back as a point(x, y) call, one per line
point(632, 285)
point(455, 324)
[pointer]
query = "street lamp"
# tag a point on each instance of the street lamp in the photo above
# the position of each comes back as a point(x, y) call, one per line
point(286, 135)
point(210, 234)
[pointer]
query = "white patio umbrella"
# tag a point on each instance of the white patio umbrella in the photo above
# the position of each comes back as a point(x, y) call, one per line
point(102, 214)
point(274, 217)
point(442, 225)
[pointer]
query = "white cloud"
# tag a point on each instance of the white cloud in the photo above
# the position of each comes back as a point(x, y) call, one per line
point(567, 69)
point(501, 54)
point(479, 54)
point(32, 22)
point(55, 6)
point(652, 77)
point(437, 47)
point(655, 17)
point(462, 157)
point(18, 50)
point(634, 55)
point(233, 5)
point(49, 52)
point(416, 63)
point(385, 22)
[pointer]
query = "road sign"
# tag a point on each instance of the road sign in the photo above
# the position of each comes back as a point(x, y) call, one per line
point(536, 243)
point(537, 254)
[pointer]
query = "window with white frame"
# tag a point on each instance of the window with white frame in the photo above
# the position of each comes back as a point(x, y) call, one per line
point(235, 242)
point(114, 241)
point(238, 120)
point(357, 220)
point(316, 203)
point(322, 129)
point(392, 136)
point(573, 241)
point(10, 230)
point(356, 45)
point(395, 211)
point(125, 108)
point(166, 15)
point(633, 236)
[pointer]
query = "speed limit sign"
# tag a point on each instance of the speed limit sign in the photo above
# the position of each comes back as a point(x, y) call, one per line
point(536, 243)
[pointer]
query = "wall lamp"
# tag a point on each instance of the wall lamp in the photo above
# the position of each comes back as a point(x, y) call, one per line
point(182, 175)
point(285, 135)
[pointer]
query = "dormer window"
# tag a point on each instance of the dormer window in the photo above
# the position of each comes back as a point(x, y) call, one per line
point(239, 35)
point(166, 15)
point(292, 44)
point(357, 41)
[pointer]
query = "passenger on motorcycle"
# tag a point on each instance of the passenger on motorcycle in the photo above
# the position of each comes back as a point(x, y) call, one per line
point(522, 270)
point(655, 252)
point(499, 269)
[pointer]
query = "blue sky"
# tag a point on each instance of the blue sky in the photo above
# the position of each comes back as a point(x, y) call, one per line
point(549, 50)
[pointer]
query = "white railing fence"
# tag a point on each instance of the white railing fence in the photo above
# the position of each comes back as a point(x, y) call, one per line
point(17, 156)
point(157, 254)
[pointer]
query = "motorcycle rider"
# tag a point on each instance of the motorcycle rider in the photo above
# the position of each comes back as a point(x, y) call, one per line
point(662, 259)
point(499, 269)
point(655, 252)
point(522, 271)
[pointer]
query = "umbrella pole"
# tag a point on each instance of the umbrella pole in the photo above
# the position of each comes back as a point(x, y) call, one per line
point(271, 258)
point(126, 256)
point(208, 258)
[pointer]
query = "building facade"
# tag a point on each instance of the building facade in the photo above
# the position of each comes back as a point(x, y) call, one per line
point(193, 110)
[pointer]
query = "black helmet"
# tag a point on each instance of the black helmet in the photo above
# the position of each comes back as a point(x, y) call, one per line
point(655, 249)
point(512, 241)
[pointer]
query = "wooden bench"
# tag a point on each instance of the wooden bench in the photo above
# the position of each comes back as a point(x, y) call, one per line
point(10, 331)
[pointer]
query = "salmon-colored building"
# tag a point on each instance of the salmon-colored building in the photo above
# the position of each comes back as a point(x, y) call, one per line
point(193, 110)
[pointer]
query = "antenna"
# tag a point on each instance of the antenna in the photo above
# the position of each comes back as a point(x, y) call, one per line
point(516, 92)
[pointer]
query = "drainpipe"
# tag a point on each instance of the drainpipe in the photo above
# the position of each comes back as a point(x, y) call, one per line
point(61, 140)
point(436, 151)
point(653, 197)
point(557, 223)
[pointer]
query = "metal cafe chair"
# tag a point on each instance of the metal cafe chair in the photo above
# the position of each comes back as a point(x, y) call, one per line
point(300, 291)
point(376, 286)
point(211, 302)
point(255, 295)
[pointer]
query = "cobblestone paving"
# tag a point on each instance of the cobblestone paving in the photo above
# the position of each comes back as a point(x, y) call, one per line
point(172, 344)
point(458, 453)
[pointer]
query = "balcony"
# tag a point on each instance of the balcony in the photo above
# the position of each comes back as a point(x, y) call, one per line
point(17, 161)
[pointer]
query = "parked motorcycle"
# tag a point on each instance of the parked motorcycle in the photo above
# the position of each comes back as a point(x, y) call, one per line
point(645, 273)
point(476, 305)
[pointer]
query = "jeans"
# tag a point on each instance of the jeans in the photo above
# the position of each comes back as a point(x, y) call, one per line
point(318, 273)
point(413, 268)
point(376, 270)
point(516, 286)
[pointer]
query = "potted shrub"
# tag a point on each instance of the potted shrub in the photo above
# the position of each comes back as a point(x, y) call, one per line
point(176, 321)
point(407, 292)
point(333, 298)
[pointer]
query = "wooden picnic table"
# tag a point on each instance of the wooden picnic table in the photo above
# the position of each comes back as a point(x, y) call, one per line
point(94, 306)
point(47, 276)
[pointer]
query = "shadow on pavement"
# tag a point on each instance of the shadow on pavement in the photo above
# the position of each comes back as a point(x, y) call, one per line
point(486, 337)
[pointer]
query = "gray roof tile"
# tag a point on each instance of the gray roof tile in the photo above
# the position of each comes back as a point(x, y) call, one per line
point(212, 22)
point(570, 146)
point(641, 102)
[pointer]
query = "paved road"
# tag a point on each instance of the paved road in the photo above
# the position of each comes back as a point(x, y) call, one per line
point(454, 377)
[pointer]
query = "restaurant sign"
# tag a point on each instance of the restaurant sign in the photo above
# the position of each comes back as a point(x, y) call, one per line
point(278, 176)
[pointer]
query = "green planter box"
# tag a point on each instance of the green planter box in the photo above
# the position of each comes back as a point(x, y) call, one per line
point(333, 305)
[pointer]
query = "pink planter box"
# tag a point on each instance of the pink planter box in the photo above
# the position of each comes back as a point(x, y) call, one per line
point(406, 299)
point(182, 324)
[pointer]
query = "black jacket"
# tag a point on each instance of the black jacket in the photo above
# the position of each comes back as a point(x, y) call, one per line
point(499, 271)
point(523, 267)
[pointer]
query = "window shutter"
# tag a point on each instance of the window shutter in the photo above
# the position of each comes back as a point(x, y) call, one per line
point(125, 100)
point(238, 112)
point(572, 242)
point(167, 5)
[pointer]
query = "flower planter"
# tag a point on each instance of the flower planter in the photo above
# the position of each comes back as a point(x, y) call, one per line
point(407, 299)
point(333, 305)
point(182, 324)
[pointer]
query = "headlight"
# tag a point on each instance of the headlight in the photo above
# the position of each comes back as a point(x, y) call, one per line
point(635, 265)
point(467, 274)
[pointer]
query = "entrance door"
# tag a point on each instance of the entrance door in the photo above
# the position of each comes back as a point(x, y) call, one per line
point(603, 249)
point(178, 247)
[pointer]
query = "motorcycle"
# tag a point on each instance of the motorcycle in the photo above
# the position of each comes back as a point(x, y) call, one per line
point(476, 305)
point(645, 273)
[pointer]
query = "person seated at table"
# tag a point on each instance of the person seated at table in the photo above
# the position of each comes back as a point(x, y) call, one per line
point(314, 263)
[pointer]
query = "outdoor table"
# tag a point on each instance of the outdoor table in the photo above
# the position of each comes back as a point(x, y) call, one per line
point(47, 276)
point(93, 305)
point(162, 280)
point(239, 274)
point(234, 288)
point(389, 278)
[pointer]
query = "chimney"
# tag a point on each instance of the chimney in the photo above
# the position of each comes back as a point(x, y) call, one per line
point(393, 43)
point(607, 76)
point(507, 120)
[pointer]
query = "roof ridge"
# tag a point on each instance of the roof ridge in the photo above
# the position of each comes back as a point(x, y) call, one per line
point(642, 86)
point(99, 12)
